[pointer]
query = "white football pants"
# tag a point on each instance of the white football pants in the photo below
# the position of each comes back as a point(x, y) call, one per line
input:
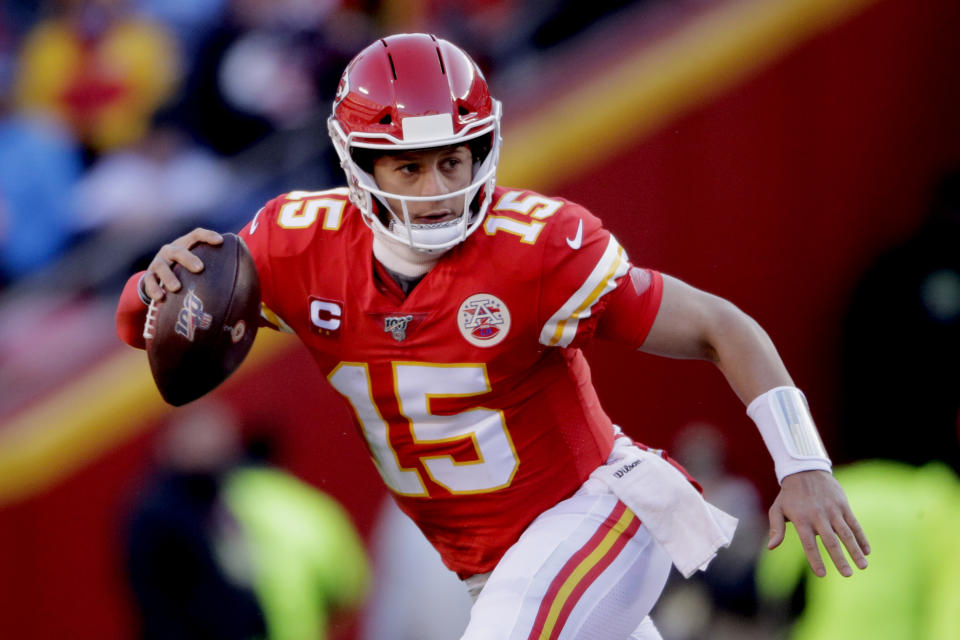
point(585, 569)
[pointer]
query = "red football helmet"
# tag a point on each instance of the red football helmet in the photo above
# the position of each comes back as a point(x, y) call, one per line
point(416, 91)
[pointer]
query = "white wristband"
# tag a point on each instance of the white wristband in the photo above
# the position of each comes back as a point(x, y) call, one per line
point(783, 418)
point(142, 290)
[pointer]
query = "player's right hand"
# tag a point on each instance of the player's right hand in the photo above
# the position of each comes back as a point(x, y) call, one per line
point(159, 276)
point(816, 504)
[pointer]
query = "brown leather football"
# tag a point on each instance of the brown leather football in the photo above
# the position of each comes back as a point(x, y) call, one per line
point(197, 336)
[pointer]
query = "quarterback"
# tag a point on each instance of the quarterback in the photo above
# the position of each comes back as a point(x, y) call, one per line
point(449, 313)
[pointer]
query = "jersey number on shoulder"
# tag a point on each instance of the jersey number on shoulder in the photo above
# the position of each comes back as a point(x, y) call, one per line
point(535, 206)
point(303, 208)
point(415, 386)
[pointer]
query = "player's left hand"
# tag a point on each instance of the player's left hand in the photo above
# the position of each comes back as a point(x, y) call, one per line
point(817, 506)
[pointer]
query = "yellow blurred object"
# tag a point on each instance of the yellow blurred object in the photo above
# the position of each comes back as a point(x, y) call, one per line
point(911, 516)
point(104, 86)
point(309, 562)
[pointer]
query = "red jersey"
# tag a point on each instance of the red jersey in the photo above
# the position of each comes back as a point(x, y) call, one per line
point(470, 391)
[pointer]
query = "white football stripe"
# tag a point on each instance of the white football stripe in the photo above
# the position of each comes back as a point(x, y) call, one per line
point(561, 328)
point(427, 128)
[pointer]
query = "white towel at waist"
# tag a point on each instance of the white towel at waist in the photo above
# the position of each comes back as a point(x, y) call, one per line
point(690, 529)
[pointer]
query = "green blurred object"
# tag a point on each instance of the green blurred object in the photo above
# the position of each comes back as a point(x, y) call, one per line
point(307, 560)
point(911, 589)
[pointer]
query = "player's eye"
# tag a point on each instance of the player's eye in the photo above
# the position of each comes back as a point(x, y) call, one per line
point(451, 163)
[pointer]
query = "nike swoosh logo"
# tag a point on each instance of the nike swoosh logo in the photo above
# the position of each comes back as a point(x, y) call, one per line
point(575, 242)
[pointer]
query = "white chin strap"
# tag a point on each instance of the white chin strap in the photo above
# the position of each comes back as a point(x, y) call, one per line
point(430, 235)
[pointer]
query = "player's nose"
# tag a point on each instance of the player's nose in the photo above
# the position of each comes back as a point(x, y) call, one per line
point(433, 183)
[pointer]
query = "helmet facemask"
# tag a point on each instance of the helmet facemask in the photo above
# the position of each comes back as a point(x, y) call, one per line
point(426, 238)
point(415, 92)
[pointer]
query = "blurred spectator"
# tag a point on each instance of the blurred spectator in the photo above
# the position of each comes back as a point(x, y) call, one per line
point(261, 70)
point(414, 596)
point(9, 36)
point(900, 390)
point(188, 579)
point(162, 179)
point(99, 70)
point(569, 17)
point(187, 19)
point(220, 548)
point(16, 18)
point(721, 602)
point(493, 31)
point(39, 164)
point(500, 33)
point(911, 591)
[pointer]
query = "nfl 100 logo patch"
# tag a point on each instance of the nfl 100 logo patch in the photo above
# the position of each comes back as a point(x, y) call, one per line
point(397, 326)
point(192, 316)
point(483, 320)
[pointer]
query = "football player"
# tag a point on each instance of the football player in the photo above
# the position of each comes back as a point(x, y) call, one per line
point(450, 312)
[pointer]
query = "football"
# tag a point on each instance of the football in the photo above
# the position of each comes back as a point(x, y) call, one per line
point(197, 336)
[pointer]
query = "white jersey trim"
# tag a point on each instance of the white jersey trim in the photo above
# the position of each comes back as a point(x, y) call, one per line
point(561, 328)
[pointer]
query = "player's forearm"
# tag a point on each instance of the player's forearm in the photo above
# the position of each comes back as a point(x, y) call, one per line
point(745, 354)
point(695, 324)
point(131, 314)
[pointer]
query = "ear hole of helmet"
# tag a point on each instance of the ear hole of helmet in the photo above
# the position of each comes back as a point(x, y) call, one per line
point(480, 147)
point(365, 157)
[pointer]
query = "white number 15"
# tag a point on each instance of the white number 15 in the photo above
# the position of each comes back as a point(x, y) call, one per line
point(415, 385)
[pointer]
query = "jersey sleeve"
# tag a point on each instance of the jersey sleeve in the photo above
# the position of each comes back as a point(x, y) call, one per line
point(131, 313)
point(632, 307)
point(583, 264)
point(281, 233)
point(259, 236)
point(256, 235)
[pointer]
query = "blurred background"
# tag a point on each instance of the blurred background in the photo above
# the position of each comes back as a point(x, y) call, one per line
point(799, 157)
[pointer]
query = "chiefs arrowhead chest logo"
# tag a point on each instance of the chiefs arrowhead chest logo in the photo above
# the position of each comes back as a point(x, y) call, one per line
point(483, 320)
